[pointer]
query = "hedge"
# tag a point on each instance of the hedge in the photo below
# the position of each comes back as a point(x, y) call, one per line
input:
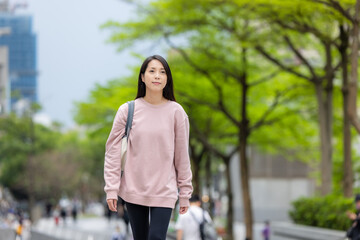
point(326, 212)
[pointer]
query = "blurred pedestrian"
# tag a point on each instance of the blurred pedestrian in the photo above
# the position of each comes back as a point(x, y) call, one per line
point(354, 232)
point(118, 235)
point(74, 210)
point(157, 155)
point(64, 204)
point(266, 231)
point(48, 208)
point(56, 215)
point(74, 213)
point(188, 225)
point(63, 215)
point(19, 230)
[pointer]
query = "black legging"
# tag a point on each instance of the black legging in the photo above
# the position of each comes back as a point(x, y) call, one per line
point(139, 221)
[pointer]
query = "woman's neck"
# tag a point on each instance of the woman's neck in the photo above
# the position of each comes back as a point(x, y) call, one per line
point(154, 98)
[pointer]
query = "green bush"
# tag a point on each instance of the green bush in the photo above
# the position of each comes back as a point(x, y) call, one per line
point(326, 212)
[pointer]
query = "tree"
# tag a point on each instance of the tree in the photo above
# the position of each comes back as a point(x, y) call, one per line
point(39, 163)
point(295, 21)
point(343, 15)
point(349, 9)
point(21, 141)
point(349, 38)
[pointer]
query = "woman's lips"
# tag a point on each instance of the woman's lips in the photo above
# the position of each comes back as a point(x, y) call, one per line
point(156, 83)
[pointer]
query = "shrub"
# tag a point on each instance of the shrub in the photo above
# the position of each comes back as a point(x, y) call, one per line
point(326, 212)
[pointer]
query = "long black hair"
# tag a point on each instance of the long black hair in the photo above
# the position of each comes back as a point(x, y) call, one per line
point(168, 91)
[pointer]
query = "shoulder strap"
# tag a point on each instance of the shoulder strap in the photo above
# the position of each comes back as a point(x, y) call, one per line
point(203, 215)
point(193, 216)
point(131, 106)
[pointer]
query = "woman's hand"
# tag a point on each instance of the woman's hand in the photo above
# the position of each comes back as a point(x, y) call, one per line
point(183, 210)
point(112, 203)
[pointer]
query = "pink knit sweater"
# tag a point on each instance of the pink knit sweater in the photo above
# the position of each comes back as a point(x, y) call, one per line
point(158, 161)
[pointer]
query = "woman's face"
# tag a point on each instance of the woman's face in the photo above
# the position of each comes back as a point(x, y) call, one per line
point(155, 77)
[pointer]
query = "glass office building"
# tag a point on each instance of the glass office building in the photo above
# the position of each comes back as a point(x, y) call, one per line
point(21, 43)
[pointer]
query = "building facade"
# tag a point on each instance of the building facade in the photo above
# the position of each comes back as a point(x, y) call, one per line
point(22, 61)
point(4, 81)
point(275, 182)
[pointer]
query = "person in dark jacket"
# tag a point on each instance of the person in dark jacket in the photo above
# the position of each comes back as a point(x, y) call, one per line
point(354, 232)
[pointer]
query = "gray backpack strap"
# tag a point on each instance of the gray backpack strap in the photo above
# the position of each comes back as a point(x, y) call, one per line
point(193, 216)
point(131, 105)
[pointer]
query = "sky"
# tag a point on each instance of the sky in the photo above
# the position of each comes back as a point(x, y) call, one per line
point(72, 53)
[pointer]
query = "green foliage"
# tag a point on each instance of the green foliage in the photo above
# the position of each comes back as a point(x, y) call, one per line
point(214, 35)
point(326, 212)
point(40, 161)
point(21, 140)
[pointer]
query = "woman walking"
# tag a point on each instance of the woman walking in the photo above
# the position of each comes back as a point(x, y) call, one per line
point(157, 170)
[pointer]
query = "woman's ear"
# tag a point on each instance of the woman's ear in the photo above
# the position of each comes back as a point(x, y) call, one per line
point(142, 77)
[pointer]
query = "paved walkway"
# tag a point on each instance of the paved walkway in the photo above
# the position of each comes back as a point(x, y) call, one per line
point(239, 231)
point(99, 228)
point(83, 229)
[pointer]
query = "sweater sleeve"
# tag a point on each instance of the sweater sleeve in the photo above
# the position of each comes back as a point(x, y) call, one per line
point(112, 165)
point(182, 162)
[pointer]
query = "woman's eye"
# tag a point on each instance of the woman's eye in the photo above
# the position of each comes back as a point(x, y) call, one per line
point(151, 71)
point(163, 72)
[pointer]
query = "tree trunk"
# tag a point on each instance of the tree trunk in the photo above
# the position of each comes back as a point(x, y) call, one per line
point(347, 166)
point(244, 174)
point(326, 163)
point(196, 178)
point(353, 88)
point(32, 206)
point(208, 184)
point(230, 213)
point(196, 159)
point(244, 169)
point(325, 106)
point(348, 173)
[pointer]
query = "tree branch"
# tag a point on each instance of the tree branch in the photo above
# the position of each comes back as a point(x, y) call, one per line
point(262, 121)
point(302, 28)
point(336, 6)
point(279, 64)
point(218, 87)
point(299, 55)
point(204, 140)
point(233, 152)
point(264, 79)
point(198, 101)
point(213, 56)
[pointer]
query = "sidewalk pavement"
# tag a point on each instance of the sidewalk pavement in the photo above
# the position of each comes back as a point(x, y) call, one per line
point(97, 228)
point(239, 231)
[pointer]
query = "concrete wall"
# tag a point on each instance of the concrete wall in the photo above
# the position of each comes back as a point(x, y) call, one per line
point(273, 191)
point(288, 231)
